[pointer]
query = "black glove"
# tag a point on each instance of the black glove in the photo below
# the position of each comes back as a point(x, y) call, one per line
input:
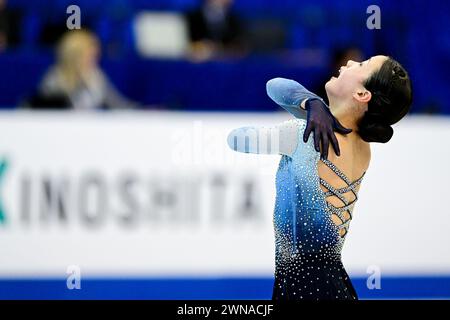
point(321, 120)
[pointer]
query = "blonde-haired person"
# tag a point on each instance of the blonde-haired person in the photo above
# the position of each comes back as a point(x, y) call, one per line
point(77, 77)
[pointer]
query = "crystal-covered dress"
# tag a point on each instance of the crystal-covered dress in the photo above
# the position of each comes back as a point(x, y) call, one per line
point(308, 243)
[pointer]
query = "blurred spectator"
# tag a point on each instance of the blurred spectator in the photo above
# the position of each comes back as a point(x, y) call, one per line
point(267, 35)
point(9, 26)
point(339, 58)
point(214, 29)
point(76, 81)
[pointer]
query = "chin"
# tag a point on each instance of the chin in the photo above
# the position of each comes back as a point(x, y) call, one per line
point(329, 86)
point(332, 89)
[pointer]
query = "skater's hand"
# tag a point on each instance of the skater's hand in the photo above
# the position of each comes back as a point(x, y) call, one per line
point(323, 123)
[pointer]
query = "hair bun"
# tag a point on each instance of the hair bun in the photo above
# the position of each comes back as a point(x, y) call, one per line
point(390, 101)
point(373, 129)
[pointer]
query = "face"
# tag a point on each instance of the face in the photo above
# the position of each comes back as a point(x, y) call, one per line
point(349, 83)
point(221, 3)
point(90, 57)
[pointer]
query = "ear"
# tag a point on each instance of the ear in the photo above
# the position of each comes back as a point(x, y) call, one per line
point(362, 95)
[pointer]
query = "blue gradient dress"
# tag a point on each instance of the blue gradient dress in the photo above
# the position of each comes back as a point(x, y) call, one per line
point(308, 243)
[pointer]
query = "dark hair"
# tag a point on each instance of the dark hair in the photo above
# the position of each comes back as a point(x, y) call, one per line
point(391, 100)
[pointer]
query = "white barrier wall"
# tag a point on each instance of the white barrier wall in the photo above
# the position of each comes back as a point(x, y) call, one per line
point(160, 194)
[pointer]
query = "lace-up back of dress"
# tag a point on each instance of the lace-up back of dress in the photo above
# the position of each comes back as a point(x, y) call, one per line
point(340, 215)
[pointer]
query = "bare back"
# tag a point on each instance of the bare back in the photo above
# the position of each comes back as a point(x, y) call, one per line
point(353, 162)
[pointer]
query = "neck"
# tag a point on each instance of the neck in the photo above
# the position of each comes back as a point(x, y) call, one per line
point(348, 120)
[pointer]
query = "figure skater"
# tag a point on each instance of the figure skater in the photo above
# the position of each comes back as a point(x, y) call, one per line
point(315, 196)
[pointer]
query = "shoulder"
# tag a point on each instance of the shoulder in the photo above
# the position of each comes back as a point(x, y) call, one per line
point(297, 126)
point(51, 80)
point(292, 127)
point(295, 123)
point(366, 155)
point(51, 73)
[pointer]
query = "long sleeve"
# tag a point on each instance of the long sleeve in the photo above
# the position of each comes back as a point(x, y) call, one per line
point(289, 94)
point(278, 139)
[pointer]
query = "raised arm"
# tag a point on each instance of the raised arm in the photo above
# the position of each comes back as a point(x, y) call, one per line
point(289, 94)
point(304, 104)
point(278, 139)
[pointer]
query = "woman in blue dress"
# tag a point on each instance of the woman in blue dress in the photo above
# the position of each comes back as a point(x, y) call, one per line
point(316, 193)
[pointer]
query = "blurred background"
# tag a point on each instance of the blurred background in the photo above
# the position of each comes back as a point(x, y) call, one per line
point(114, 167)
